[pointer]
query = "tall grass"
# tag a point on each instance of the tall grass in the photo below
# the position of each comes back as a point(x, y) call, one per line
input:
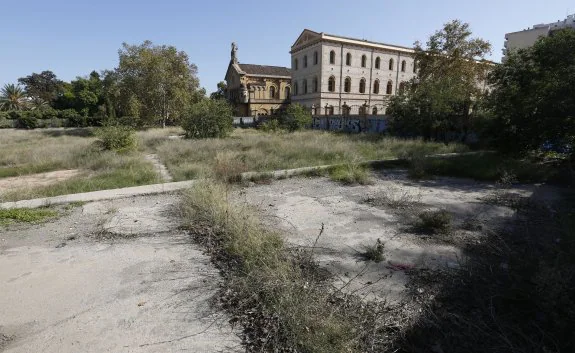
point(283, 306)
point(28, 152)
point(252, 150)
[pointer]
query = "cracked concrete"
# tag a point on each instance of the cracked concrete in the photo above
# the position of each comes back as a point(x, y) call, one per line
point(300, 206)
point(149, 292)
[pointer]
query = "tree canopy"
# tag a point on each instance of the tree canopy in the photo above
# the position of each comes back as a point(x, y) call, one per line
point(44, 85)
point(451, 72)
point(533, 97)
point(156, 83)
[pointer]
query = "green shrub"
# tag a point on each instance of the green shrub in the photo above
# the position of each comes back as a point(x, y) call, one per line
point(26, 121)
point(350, 174)
point(434, 222)
point(296, 117)
point(116, 138)
point(6, 123)
point(208, 118)
point(272, 125)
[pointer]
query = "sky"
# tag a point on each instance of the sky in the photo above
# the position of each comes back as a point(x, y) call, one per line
point(72, 38)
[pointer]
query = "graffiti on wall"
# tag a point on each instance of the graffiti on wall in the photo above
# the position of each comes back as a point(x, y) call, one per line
point(374, 124)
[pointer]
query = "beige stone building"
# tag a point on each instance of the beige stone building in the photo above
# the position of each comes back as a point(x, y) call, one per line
point(340, 75)
point(257, 90)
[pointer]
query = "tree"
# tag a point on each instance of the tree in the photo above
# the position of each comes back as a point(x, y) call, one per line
point(295, 117)
point(155, 83)
point(221, 92)
point(208, 118)
point(44, 85)
point(12, 97)
point(533, 96)
point(448, 88)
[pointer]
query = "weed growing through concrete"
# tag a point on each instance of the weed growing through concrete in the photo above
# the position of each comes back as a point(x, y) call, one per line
point(374, 252)
point(434, 222)
point(26, 215)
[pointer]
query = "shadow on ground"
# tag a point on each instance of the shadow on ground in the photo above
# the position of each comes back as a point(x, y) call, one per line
point(516, 293)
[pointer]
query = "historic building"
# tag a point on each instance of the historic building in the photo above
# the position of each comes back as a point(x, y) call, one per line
point(256, 90)
point(339, 75)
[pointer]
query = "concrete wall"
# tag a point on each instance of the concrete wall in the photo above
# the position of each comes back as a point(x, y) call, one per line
point(357, 124)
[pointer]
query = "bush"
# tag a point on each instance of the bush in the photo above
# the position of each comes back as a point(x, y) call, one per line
point(350, 174)
point(208, 118)
point(271, 125)
point(434, 222)
point(6, 123)
point(26, 121)
point(117, 138)
point(296, 117)
point(374, 252)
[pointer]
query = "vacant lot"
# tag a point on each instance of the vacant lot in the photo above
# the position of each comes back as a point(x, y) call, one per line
point(123, 279)
point(252, 150)
point(64, 161)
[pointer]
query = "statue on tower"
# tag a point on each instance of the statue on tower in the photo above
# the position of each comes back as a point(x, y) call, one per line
point(234, 52)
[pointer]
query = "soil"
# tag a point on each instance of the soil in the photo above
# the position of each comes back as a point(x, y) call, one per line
point(355, 217)
point(110, 276)
point(35, 180)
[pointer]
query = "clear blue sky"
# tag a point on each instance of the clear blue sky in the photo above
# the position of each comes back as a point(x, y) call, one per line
point(72, 38)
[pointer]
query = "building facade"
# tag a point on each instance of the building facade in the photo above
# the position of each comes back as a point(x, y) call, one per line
point(528, 37)
point(257, 90)
point(333, 75)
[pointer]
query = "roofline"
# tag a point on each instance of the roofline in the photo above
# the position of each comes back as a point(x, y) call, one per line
point(354, 41)
point(530, 29)
point(258, 75)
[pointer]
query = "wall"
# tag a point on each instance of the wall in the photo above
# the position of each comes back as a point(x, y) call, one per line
point(324, 70)
point(372, 124)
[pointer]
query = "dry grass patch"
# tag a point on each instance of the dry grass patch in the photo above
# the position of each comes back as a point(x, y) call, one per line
point(279, 296)
point(252, 150)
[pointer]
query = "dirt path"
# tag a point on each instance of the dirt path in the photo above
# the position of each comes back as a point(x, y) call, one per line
point(35, 180)
point(111, 276)
point(161, 168)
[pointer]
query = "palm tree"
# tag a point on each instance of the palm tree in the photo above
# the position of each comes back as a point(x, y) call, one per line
point(12, 97)
point(37, 103)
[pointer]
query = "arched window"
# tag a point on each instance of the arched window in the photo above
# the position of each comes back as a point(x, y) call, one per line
point(374, 111)
point(304, 86)
point(363, 61)
point(305, 61)
point(287, 92)
point(403, 65)
point(315, 84)
point(362, 85)
point(295, 65)
point(377, 62)
point(347, 85)
point(315, 58)
point(391, 64)
point(331, 84)
point(272, 92)
point(376, 87)
point(401, 87)
point(332, 57)
point(348, 59)
point(389, 87)
point(295, 89)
